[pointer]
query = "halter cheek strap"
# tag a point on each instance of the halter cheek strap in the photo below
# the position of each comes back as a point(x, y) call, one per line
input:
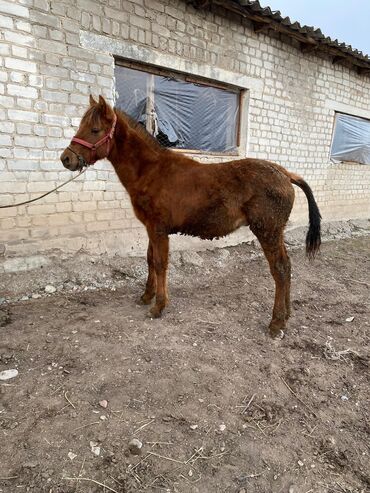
point(107, 139)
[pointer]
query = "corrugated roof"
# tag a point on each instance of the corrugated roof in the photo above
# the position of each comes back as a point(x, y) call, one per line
point(311, 38)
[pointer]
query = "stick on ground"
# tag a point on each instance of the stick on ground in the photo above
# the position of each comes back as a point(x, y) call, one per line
point(69, 402)
point(88, 424)
point(92, 481)
point(298, 398)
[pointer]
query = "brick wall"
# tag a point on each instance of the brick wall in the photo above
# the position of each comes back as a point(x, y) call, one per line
point(54, 53)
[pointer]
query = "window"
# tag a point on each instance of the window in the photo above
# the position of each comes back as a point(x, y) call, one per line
point(181, 113)
point(351, 140)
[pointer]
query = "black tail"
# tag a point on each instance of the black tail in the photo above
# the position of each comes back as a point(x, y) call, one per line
point(313, 238)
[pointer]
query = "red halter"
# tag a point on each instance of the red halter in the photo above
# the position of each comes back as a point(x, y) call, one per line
point(106, 139)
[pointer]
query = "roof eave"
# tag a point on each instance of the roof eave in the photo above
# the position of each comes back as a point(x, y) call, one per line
point(311, 40)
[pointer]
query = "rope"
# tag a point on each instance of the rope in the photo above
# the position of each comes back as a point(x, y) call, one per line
point(45, 194)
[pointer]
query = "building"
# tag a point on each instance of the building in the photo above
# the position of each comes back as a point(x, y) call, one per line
point(281, 88)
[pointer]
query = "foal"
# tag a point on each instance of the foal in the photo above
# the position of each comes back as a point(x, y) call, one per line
point(172, 193)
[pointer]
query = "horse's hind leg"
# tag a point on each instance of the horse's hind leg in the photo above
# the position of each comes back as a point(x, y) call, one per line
point(272, 243)
point(151, 283)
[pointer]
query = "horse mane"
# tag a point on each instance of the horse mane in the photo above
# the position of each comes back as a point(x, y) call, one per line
point(92, 115)
point(140, 130)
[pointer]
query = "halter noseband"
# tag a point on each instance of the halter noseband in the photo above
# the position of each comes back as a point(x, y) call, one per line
point(106, 139)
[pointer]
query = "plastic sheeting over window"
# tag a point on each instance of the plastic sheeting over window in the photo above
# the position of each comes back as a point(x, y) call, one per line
point(351, 141)
point(178, 113)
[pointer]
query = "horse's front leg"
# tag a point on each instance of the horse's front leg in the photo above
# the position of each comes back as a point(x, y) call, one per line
point(160, 246)
point(151, 282)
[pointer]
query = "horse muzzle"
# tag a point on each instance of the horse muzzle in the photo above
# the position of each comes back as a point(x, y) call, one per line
point(72, 161)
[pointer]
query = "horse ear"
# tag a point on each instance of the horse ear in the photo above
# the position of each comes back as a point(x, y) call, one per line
point(92, 101)
point(105, 109)
point(102, 102)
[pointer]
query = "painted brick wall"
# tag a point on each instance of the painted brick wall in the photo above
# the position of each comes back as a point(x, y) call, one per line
point(49, 67)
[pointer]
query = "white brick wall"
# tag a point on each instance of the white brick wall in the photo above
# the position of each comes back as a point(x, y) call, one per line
point(46, 75)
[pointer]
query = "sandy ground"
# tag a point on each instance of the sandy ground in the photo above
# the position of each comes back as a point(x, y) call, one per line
point(217, 405)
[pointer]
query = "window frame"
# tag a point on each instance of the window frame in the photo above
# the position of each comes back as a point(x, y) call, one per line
point(240, 91)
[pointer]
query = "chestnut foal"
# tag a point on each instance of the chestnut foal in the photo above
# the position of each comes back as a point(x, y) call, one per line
point(172, 193)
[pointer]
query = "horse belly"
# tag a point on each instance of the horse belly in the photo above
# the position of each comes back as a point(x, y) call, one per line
point(212, 222)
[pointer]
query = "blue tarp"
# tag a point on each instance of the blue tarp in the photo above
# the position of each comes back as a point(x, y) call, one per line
point(351, 140)
point(186, 115)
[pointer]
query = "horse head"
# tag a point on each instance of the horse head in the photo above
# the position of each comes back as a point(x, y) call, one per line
point(94, 138)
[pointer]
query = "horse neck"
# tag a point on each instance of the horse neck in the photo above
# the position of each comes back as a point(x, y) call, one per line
point(131, 154)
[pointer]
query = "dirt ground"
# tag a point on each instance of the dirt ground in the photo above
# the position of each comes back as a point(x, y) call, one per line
point(217, 405)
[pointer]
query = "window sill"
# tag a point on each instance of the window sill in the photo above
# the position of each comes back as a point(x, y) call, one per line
point(206, 153)
point(357, 163)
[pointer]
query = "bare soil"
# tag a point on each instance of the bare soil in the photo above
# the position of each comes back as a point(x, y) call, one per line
point(218, 406)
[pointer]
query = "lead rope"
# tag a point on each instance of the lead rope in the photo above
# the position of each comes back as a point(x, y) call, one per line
point(45, 194)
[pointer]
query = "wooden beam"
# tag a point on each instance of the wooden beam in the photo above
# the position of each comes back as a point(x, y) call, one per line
point(338, 58)
point(308, 48)
point(200, 4)
point(261, 27)
point(363, 70)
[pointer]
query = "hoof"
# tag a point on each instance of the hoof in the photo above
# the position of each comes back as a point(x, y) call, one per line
point(277, 334)
point(155, 312)
point(145, 299)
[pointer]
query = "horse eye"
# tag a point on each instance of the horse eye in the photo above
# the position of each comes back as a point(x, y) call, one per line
point(95, 130)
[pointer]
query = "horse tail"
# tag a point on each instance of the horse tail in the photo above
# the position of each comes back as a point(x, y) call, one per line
point(313, 238)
